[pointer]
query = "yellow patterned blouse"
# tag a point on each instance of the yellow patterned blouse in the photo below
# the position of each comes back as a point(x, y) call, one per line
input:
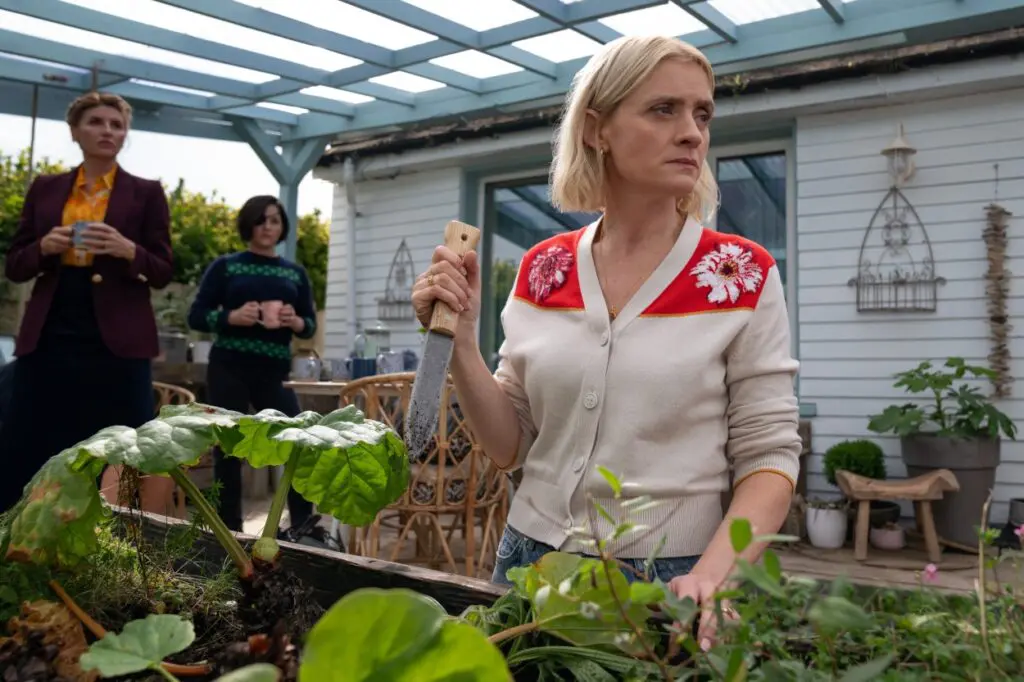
point(87, 204)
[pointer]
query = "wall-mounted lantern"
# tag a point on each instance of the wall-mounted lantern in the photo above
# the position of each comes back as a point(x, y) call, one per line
point(900, 156)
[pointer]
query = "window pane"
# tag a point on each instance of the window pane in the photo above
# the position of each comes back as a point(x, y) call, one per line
point(754, 201)
point(523, 216)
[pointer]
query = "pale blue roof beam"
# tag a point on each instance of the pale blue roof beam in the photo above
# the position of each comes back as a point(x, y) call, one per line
point(53, 51)
point(16, 100)
point(37, 73)
point(378, 60)
point(462, 36)
point(834, 8)
point(775, 38)
point(710, 17)
point(125, 29)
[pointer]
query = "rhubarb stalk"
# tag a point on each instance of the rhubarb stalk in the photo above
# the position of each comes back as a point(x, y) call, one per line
point(266, 548)
point(223, 534)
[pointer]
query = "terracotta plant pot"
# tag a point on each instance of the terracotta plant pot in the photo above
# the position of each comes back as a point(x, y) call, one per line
point(888, 538)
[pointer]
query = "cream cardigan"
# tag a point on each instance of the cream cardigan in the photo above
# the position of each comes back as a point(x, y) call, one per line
point(694, 377)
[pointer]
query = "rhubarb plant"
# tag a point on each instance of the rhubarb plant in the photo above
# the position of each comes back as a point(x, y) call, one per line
point(350, 467)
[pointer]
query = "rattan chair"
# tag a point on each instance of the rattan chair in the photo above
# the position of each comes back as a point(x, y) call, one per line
point(455, 493)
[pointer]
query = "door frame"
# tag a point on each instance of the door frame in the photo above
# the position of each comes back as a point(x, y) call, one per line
point(485, 335)
point(787, 147)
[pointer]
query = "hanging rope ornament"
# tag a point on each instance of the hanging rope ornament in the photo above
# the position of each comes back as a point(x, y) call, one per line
point(997, 291)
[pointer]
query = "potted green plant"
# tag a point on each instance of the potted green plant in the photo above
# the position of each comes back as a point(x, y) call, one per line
point(827, 522)
point(864, 458)
point(957, 429)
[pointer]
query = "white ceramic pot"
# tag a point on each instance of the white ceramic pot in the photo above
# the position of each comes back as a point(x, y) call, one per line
point(826, 528)
point(888, 538)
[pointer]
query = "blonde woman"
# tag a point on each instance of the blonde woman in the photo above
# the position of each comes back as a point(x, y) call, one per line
point(643, 342)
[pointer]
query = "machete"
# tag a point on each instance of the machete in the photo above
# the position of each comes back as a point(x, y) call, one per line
point(432, 373)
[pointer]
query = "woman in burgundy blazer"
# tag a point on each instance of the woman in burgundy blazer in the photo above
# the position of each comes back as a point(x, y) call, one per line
point(95, 240)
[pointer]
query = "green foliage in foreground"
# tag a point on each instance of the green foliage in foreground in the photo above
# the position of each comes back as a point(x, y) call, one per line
point(348, 466)
point(570, 618)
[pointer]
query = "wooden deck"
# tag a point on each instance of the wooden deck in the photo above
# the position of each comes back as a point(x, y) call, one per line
point(957, 572)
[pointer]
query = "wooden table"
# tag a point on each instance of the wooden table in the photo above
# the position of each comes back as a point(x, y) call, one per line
point(332, 388)
point(319, 396)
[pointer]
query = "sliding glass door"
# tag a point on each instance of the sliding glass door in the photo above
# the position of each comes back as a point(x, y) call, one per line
point(517, 215)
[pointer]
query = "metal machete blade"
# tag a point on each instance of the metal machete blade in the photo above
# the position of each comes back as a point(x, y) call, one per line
point(425, 403)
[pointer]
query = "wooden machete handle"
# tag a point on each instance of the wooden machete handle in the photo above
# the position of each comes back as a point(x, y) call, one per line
point(460, 238)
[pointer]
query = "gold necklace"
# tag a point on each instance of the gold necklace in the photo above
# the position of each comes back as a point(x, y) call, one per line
point(613, 311)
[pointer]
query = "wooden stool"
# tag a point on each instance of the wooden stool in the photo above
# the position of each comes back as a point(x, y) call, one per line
point(921, 490)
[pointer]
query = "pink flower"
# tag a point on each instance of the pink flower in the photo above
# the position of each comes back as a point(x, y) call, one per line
point(1019, 531)
point(931, 573)
point(547, 272)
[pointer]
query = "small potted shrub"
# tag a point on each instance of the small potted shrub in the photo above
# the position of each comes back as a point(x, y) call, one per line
point(958, 429)
point(827, 521)
point(864, 458)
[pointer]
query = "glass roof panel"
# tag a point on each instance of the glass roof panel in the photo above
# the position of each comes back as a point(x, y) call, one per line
point(479, 15)
point(746, 11)
point(407, 81)
point(160, 15)
point(346, 20)
point(336, 94)
point(560, 46)
point(668, 18)
point(476, 64)
point(283, 107)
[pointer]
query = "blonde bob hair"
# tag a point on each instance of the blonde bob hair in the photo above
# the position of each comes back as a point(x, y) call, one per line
point(612, 74)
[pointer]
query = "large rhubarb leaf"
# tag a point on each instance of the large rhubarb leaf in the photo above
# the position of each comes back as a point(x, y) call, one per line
point(254, 437)
point(59, 516)
point(400, 636)
point(156, 447)
point(349, 467)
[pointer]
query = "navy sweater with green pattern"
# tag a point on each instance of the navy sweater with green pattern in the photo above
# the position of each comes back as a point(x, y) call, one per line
point(233, 280)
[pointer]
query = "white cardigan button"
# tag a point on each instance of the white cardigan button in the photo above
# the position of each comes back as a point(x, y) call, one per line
point(604, 339)
point(590, 400)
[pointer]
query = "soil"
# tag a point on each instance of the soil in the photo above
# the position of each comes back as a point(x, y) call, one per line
point(275, 596)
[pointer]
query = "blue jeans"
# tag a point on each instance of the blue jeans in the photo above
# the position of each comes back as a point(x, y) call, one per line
point(515, 549)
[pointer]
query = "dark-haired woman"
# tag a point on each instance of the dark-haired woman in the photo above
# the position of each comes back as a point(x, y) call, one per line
point(93, 241)
point(254, 302)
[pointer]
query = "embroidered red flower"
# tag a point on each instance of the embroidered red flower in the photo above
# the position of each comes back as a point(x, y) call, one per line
point(547, 272)
point(727, 272)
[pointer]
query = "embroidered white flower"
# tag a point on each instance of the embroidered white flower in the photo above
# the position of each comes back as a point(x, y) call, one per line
point(548, 270)
point(728, 272)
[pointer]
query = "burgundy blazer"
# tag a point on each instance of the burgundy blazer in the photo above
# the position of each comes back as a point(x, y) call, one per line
point(121, 290)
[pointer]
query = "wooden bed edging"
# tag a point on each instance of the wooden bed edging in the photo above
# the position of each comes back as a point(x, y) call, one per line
point(332, 575)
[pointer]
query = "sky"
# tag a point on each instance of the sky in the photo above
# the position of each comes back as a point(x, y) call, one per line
point(232, 169)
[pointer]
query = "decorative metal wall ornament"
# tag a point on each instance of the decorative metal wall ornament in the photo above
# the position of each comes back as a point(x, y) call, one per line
point(397, 301)
point(895, 267)
point(997, 291)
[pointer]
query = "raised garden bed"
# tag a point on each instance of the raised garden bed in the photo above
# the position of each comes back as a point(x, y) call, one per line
point(175, 601)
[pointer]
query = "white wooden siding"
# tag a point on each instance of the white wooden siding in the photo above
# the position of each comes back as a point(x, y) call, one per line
point(413, 206)
point(848, 358)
